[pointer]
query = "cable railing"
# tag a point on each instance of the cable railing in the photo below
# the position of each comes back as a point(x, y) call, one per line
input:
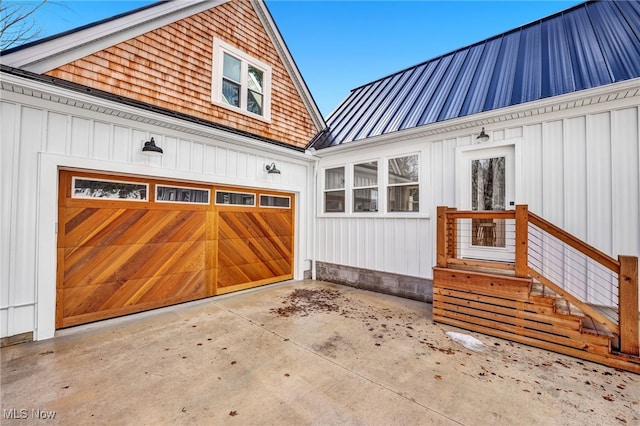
point(574, 271)
point(517, 240)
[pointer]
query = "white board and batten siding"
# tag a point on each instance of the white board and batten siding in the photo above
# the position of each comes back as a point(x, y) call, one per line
point(390, 242)
point(40, 136)
point(576, 167)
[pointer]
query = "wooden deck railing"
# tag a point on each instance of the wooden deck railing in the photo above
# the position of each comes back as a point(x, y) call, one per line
point(450, 233)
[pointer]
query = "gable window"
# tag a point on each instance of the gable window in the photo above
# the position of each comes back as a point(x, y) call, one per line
point(334, 192)
point(240, 82)
point(403, 190)
point(365, 187)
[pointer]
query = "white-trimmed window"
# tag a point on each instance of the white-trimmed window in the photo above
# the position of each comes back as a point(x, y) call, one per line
point(365, 187)
point(403, 189)
point(334, 191)
point(240, 82)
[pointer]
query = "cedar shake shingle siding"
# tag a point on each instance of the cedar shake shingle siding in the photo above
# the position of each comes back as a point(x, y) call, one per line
point(171, 67)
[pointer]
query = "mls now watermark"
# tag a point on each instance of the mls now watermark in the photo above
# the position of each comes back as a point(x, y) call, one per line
point(24, 414)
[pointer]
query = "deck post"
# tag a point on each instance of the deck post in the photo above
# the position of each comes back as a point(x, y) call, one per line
point(522, 241)
point(452, 240)
point(441, 237)
point(628, 304)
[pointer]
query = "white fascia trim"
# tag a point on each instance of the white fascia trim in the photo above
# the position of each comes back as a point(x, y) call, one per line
point(67, 97)
point(289, 64)
point(598, 95)
point(51, 54)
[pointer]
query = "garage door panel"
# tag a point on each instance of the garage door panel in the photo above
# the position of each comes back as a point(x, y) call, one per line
point(252, 250)
point(254, 272)
point(255, 224)
point(128, 226)
point(81, 225)
point(94, 265)
point(233, 224)
point(111, 299)
point(84, 265)
point(280, 222)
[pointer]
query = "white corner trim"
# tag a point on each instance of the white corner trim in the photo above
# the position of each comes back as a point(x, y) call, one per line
point(48, 55)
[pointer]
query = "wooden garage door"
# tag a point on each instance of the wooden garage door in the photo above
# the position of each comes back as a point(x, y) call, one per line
point(255, 241)
point(129, 244)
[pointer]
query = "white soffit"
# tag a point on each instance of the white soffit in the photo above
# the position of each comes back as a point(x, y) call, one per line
point(50, 54)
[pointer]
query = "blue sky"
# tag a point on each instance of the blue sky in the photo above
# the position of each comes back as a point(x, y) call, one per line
point(339, 45)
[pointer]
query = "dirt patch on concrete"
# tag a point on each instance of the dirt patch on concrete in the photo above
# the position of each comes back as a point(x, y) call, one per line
point(303, 301)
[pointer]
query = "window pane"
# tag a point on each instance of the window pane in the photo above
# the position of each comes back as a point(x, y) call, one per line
point(231, 69)
point(275, 201)
point(231, 93)
point(365, 174)
point(255, 79)
point(254, 102)
point(334, 201)
point(93, 188)
point(403, 169)
point(236, 198)
point(182, 195)
point(365, 200)
point(488, 184)
point(334, 178)
point(404, 198)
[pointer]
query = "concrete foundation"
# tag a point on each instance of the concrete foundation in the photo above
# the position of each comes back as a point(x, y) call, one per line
point(405, 286)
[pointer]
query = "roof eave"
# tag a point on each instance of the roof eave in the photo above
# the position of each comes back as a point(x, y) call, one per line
point(609, 92)
point(52, 52)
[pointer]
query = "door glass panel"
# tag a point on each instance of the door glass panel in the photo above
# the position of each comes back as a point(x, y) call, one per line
point(488, 193)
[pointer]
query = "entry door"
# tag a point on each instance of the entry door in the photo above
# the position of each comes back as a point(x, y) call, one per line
point(486, 180)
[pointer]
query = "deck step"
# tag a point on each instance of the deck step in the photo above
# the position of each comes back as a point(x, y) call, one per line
point(540, 290)
point(523, 311)
point(591, 327)
point(564, 308)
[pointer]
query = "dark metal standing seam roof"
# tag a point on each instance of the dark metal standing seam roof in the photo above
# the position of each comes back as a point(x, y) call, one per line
point(590, 45)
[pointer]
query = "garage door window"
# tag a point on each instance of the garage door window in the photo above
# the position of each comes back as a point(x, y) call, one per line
point(235, 198)
point(109, 189)
point(177, 194)
point(274, 201)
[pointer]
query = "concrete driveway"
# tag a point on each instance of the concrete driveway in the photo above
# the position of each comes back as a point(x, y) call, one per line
point(302, 353)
